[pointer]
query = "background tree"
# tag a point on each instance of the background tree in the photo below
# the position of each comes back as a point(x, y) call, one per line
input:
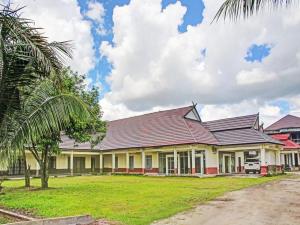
point(233, 9)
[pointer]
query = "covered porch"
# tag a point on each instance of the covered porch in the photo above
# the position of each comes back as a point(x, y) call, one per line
point(290, 159)
point(180, 161)
point(233, 159)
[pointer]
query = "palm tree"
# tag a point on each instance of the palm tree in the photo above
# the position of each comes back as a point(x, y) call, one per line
point(45, 111)
point(25, 56)
point(235, 8)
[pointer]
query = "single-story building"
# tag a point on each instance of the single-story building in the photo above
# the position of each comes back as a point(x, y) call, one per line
point(170, 142)
point(287, 130)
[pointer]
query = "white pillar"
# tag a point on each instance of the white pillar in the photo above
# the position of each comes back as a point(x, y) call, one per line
point(143, 161)
point(127, 162)
point(175, 162)
point(293, 159)
point(263, 167)
point(278, 158)
point(193, 161)
point(37, 169)
point(189, 162)
point(71, 163)
point(113, 158)
point(101, 162)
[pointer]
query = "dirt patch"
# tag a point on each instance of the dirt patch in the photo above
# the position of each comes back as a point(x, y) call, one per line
point(267, 204)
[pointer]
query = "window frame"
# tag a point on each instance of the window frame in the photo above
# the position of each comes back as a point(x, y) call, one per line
point(147, 157)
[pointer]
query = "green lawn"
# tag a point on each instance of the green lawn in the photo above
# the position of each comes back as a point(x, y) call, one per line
point(128, 199)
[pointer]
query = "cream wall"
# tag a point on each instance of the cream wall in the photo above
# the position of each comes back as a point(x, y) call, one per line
point(107, 159)
point(31, 161)
point(62, 162)
point(271, 157)
point(211, 158)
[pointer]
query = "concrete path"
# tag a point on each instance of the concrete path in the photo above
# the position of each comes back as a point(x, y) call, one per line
point(275, 203)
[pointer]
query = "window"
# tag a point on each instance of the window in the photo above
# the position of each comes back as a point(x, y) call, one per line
point(116, 162)
point(148, 161)
point(131, 162)
point(52, 162)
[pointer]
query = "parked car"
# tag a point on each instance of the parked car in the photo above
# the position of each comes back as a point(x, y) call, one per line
point(252, 165)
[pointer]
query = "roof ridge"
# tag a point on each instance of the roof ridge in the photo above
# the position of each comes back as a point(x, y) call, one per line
point(235, 117)
point(189, 130)
point(144, 114)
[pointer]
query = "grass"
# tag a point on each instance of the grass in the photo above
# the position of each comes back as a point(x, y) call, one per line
point(132, 200)
point(4, 220)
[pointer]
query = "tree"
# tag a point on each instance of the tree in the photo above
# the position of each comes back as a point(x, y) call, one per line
point(234, 8)
point(37, 125)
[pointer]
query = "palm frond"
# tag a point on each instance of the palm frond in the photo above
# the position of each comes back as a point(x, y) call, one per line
point(43, 112)
point(25, 56)
point(233, 9)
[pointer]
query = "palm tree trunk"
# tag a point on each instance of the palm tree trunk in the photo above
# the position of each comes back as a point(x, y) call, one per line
point(26, 170)
point(44, 168)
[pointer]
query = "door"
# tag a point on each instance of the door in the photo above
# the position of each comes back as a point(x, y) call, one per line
point(79, 164)
point(226, 163)
point(169, 164)
point(198, 164)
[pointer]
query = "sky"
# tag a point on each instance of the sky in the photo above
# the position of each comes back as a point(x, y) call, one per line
point(149, 55)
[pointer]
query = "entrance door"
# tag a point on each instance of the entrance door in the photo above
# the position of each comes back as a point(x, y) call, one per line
point(169, 164)
point(79, 164)
point(226, 163)
point(198, 164)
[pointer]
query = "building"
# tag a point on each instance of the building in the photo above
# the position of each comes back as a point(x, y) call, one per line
point(287, 130)
point(171, 142)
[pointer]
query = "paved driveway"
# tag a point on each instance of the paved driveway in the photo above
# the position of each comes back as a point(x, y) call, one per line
point(275, 203)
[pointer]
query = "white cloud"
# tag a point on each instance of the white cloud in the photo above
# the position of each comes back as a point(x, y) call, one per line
point(96, 11)
point(156, 66)
point(62, 21)
point(254, 76)
point(268, 113)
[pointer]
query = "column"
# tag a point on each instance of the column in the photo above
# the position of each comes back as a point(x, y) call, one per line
point(127, 162)
point(143, 161)
point(71, 163)
point(189, 162)
point(293, 159)
point(193, 162)
point(263, 167)
point(113, 158)
point(101, 163)
point(278, 165)
point(175, 162)
point(37, 169)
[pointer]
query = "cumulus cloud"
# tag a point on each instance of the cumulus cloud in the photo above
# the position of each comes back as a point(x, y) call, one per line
point(254, 76)
point(62, 21)
point(154, 65)
point(96, 11)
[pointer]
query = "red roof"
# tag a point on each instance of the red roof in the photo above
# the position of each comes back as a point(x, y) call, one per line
point(289, 121)
point(162, 128)
point(284, 138)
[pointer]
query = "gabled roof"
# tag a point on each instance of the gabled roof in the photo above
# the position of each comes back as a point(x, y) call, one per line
point(231, 123)
point(243, 136)
point(289, 121)
point(284, 138)
point(162, 128)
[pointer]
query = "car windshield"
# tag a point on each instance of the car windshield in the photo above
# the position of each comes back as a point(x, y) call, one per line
point(251, 160)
